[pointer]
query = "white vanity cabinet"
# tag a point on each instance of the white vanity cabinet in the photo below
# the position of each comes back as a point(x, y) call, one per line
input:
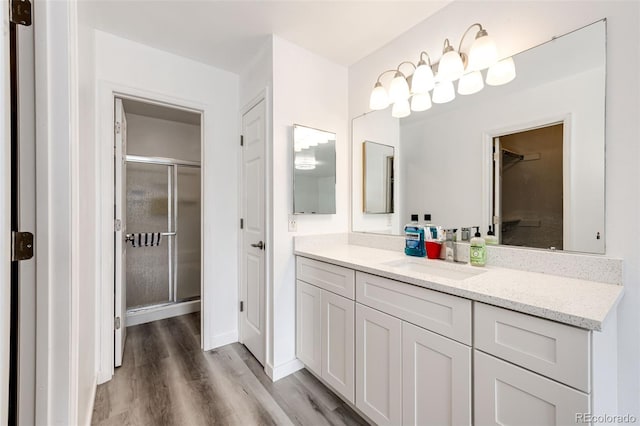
point(409, 368)
point(547, 378)
point(436, 379)
point(325, 340)
point(379, 365)
point(408, 355)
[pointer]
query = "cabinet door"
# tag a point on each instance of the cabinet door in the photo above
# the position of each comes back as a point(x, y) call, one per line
point(378, 365)
point(309, 326)
point(338, 343)
point(509, 395)
point(436, 379)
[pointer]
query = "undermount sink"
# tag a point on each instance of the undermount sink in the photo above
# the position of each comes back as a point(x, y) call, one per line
point(436, 267)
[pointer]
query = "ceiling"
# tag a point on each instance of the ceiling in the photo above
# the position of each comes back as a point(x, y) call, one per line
point(228, 34)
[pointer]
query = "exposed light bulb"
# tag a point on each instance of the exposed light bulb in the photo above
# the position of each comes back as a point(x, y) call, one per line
point(401, 109)
point(470, 83)
point(420, 102)
point(379, 98)
point(399, 88)
point(501, 72)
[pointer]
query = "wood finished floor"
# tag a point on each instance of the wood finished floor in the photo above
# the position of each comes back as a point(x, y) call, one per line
point(165, 379)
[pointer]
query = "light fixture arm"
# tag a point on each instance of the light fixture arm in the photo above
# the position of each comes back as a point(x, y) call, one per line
point(467, 32)
point(421, 61)
point(403, 63)
point(383, 73)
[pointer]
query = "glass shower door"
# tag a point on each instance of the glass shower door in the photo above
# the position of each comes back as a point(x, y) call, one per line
point(148, 268)
point(187, 233)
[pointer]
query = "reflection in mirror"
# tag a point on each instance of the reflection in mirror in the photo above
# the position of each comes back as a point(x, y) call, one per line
point(536, 193)
point(314, 173)
point(377, 175)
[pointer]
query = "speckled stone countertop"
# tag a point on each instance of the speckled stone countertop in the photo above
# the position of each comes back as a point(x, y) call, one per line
point(572, 301)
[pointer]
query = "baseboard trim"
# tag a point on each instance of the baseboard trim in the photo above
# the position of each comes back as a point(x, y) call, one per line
point(161, 312)
point(223, 339)
point(281, 371)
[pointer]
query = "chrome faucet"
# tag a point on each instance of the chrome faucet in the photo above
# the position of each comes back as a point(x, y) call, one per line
point(450, 245)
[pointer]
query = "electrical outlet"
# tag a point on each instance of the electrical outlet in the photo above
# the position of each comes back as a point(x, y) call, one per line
point(293, 225)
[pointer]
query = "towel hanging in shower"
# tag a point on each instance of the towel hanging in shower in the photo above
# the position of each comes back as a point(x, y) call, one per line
point(146, 239)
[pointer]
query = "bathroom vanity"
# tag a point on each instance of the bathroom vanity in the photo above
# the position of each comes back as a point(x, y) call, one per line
point(415, 341)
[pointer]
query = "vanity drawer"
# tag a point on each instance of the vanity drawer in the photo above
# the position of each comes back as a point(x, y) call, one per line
point(441, 313)
point(333, 278)
point(558, 351)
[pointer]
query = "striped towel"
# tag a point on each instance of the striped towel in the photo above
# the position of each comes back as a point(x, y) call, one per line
point(146, 239)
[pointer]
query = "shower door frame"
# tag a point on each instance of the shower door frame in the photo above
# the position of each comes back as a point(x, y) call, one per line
point(172, 240)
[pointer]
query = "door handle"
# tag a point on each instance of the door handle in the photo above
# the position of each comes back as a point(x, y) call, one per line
point(259, 245)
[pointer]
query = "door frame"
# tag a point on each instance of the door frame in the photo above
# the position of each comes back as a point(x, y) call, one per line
point(262, 95)
point(5, 216)
point(487, 163)
point(105, 119)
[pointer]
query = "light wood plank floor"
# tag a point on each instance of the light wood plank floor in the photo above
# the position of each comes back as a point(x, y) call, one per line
point(165, 379)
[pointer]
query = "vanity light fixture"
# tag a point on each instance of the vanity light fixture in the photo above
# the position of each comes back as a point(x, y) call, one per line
point(453, 65)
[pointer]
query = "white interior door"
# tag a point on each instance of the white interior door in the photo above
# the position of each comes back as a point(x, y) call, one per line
point(497, 189)
point(253, 232)
point(120, 131)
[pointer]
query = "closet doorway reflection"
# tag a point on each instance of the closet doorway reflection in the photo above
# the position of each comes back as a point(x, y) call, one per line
point(163, 199)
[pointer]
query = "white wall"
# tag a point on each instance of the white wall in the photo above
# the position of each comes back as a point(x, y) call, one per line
point(131, 68)
point(377, 127)
point(519, 25)
point(311, 91)
point(154, 137)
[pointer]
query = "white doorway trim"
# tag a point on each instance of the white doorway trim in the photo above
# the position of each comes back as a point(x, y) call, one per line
point(107, 92)
point(262, 95)
point(487, 163)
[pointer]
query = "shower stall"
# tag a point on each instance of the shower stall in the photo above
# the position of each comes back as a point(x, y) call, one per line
point(163, 197)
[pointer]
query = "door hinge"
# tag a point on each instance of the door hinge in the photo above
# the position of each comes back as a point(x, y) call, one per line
point(496, 156)
point(241, 140)
point(21, 246)
point(241, 306)
point(117, 128)
point(241, 223)
point(496, 220)
point(20, 12)
point(116, 323)
point(117, 226)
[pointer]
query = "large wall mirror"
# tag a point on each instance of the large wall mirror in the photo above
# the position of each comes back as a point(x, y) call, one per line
point(314, 173)
point(526, 157)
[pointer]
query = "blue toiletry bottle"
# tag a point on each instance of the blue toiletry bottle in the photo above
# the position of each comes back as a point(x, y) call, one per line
point(414, 238)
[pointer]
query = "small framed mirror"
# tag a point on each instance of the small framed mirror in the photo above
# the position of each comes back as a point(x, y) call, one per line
point(314, 172)
point(377, 178)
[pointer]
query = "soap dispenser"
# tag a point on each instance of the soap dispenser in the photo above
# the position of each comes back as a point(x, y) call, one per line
point(477, 249)
point(491, 238)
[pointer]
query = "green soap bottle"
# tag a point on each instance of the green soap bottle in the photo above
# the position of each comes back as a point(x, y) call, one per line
point(477, 249)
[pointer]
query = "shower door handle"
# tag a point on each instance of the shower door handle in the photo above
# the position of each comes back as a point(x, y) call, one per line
point(259, 245)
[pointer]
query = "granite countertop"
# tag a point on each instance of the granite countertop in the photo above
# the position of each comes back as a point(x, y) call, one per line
point(572, 301)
